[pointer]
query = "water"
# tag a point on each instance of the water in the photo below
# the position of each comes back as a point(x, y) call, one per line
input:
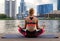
point(10, 26)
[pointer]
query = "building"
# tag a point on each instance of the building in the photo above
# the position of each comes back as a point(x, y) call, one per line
point(10, 8)
point(26, 14)
point(44, 9)
point(55, 12)
point(58, 5)
point(22, 9)
point(19, 16)
point(22, 6)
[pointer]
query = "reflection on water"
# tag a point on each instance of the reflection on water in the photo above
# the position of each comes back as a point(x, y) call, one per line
point(10, 26)
point(59, 26)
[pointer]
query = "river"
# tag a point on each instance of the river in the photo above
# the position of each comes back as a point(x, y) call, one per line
point(11, 26)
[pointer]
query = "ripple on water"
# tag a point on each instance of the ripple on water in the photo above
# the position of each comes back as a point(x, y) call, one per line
point(10, 26)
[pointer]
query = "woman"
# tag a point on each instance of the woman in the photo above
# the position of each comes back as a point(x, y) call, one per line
point(31, 26)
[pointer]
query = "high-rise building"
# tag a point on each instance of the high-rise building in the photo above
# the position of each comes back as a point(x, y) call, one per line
point(44, 9)
point(10, 8)
point(58, 4)
point(22, 9)
point(22, 6)
point(26, 14)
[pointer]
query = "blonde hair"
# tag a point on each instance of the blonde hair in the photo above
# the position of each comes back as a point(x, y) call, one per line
point(31, 11)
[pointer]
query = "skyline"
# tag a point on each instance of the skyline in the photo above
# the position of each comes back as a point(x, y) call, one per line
point(31, 3)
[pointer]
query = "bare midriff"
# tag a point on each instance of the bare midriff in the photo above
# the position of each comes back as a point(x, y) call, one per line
point(31, 27)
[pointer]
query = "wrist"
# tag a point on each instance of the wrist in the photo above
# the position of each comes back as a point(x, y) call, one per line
point(24, 28)
point(38, 28)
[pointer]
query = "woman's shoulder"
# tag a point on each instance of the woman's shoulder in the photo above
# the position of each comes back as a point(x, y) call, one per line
point(26, 18)
point(36, 18)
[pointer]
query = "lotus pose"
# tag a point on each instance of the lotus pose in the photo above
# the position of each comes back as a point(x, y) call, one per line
point(31, 26)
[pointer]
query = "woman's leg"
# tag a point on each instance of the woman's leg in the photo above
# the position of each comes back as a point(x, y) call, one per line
point(22, 31)
point(41, 31)
point(30, 34)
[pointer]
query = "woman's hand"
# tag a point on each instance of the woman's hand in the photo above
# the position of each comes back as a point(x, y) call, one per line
point(23, 28)
point(43, 26)
point(18, 26)
point(39, 28)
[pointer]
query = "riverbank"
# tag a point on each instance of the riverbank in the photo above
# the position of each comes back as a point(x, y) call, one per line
point(31, 39)
point(7, 19)
point(4, 17)
point(50, 19)
point(45, 19)
point(38, 18)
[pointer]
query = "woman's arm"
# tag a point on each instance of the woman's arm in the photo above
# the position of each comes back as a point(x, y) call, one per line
point(25, 24)
point(37, 25)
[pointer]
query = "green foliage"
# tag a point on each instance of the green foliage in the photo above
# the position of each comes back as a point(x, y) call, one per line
point(2, 16)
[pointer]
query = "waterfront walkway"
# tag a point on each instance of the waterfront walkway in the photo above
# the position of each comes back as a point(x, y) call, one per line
point(31, 39)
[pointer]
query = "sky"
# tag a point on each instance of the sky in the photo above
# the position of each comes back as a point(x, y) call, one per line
point(29, 4)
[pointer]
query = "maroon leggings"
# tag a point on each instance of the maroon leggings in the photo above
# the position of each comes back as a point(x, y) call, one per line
point(30, 34)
